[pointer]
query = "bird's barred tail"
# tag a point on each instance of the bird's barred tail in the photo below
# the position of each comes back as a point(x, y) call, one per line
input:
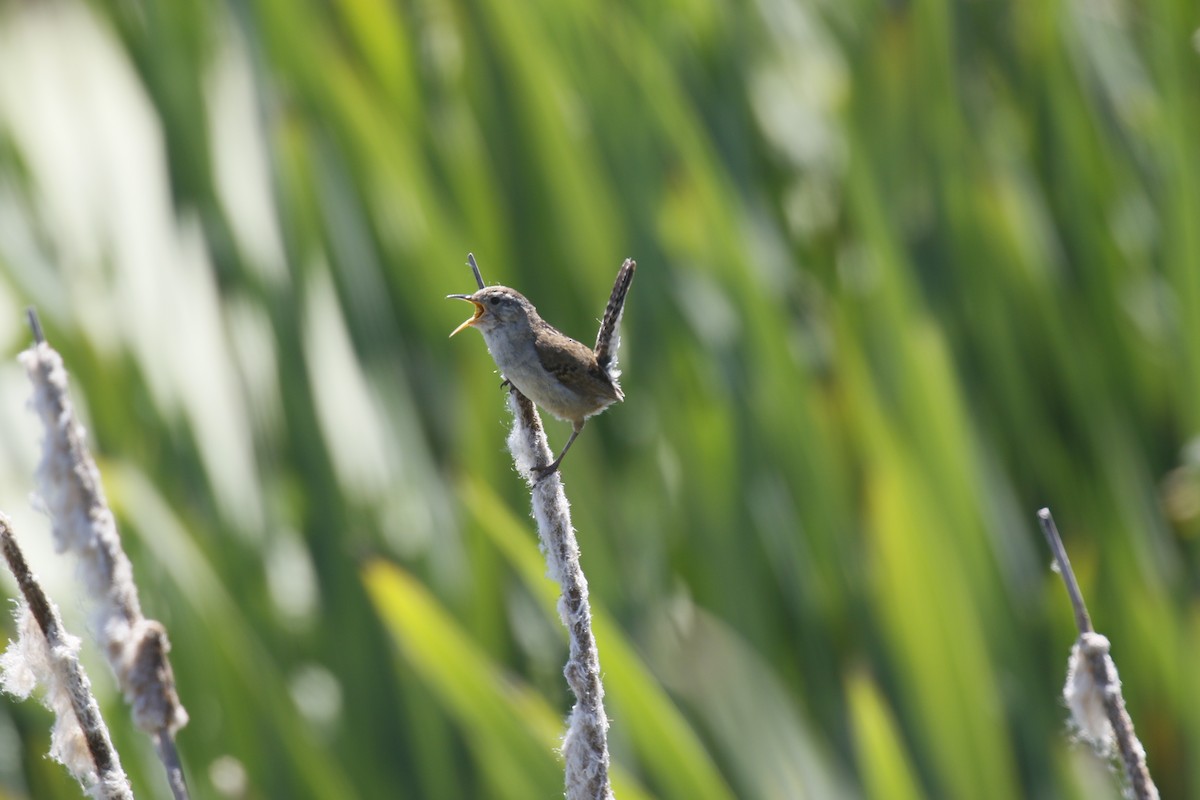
point(608, 339)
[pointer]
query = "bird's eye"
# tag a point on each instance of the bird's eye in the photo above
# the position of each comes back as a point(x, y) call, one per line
point(495, 301)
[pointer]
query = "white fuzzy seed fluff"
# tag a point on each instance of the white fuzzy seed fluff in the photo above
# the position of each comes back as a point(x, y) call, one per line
point(30, 661)
point(584, 764)
point(1084, 695)
point(24, 657)
point(522, 443)
point(71, 492)
point(585, 743)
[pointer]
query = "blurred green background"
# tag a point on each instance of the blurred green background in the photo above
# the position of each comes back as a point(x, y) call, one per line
point(908, 271)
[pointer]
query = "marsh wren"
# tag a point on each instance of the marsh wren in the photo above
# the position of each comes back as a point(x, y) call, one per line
point(565, 377)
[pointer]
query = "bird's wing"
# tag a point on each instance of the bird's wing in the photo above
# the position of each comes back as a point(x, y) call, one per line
point(575, 365)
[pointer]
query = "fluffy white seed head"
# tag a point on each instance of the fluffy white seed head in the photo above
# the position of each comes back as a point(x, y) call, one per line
point(31, 661)
point(1084, 694)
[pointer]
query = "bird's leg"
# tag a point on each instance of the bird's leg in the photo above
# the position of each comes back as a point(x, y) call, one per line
point(542, 472)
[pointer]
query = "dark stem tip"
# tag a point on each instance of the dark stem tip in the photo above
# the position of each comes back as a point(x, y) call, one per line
point(475, 270)
point(35, 325)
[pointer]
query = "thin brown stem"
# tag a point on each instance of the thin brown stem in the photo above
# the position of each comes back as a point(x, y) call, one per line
point(585, 744)
point(1082, 621)
point(1094, 649)
point(168, 754)
point(1129, 748)
point(70, 485)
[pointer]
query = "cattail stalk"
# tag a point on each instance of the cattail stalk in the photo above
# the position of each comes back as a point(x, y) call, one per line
point(585, 744)
point(69, 483)
point(1093, 688)
point(45, 653)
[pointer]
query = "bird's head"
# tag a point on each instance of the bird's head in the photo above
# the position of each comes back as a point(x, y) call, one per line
point(495, 306)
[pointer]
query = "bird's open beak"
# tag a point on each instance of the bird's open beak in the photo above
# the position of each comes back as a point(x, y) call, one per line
point(478, 310)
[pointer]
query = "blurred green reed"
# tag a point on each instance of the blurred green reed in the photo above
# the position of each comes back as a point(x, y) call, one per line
point(908, 271)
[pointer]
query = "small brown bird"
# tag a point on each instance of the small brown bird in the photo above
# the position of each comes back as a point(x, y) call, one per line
point(565, 377)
